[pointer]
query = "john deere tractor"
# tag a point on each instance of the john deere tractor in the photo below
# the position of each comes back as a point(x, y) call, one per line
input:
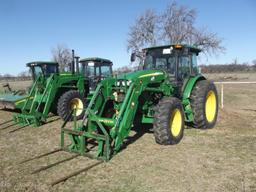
point(57, 92)
point(16, 99)
point(168, 92)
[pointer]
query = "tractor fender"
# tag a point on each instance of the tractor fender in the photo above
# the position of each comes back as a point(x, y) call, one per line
point(190, 85)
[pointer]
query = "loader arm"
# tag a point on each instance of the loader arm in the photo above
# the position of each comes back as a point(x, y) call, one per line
point(37, 105)
point(110, 129)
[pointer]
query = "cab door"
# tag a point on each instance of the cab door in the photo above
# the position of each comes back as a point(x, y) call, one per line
point(183, 72)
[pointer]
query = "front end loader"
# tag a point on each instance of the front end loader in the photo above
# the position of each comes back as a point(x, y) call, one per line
point(168, 92)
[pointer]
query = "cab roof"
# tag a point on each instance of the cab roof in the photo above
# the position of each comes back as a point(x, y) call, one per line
point(95, 59)
point(36, 63)
point(193, 48)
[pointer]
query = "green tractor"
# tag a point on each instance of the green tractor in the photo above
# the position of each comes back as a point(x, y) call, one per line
point(15, 99)
point(168, 92)
point(57, 92)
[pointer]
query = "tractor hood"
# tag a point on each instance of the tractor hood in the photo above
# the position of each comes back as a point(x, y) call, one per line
point(132, 76)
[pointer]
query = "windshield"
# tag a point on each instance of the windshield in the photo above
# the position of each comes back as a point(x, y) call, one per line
point(105, 71)
point(37, 71)
point(50, 69)
point(91, 69)
point(160, 59)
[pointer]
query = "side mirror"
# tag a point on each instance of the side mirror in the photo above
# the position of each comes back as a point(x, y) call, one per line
point(133, 57)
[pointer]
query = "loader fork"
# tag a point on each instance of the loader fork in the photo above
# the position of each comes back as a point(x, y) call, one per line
point(109, 133)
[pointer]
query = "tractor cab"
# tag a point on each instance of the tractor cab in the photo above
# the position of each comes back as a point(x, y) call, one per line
point(96, 69)
point(45, 68)
point(179, 61)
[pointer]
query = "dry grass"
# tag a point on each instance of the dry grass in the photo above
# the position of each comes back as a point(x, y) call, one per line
point(220, 159)
point(15, 85)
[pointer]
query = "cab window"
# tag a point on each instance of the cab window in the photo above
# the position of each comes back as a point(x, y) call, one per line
point(171, 65)
point(194, 64)
point(50, 69)
point(161, 63)
point(184, 67)
point(38, 71)
point(105, 71)
point(149, 62)
point(97, 71)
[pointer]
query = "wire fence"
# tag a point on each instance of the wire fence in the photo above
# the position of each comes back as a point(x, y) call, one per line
point(229, 82)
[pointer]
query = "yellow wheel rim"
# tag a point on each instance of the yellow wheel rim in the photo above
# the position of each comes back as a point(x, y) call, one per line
point(176, 122)
point(77, 104)
point(210, 106)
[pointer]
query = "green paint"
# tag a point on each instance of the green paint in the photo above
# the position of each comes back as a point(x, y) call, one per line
point(47, 88)
point(118, 102)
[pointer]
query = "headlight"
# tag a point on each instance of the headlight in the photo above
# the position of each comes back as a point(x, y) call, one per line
point(123, 83)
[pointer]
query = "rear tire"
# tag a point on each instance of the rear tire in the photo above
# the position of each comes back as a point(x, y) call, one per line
point(68, 101)
point(204, 103)
point(168, 121)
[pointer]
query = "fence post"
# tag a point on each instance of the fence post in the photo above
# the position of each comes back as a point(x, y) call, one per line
point(222, 96)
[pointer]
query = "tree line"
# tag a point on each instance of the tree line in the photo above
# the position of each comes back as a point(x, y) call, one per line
point(227, 68)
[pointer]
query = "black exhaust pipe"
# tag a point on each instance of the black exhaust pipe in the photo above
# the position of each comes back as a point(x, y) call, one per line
point(73, 62)
point(77, 64)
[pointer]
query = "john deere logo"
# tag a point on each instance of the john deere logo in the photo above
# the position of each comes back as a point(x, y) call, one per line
point(152, 78)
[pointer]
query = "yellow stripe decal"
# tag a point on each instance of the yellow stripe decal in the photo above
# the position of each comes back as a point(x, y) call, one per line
point(151, 74)
point(22, 100)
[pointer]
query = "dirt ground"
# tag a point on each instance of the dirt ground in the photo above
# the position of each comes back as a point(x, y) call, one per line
point(219, 159)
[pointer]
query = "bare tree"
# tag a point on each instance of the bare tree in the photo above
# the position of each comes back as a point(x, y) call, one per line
point(209, 42)
point(62, 55)
point(143, 32)
point(176, 25)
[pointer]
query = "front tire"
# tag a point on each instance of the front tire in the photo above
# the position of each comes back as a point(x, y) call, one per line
point(204, 103)
point(168, 121)
point(68, 101)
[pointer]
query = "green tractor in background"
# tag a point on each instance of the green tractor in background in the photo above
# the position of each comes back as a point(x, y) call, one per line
point(96, 69)
point(16, 99)
point(56, 92)
point(168, 92)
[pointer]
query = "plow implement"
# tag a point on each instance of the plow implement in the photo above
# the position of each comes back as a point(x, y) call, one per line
point(66, 177)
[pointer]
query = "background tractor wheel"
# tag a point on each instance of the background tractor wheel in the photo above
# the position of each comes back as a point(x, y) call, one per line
point(70, 100)
point(168, 121)
point(204, 103)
